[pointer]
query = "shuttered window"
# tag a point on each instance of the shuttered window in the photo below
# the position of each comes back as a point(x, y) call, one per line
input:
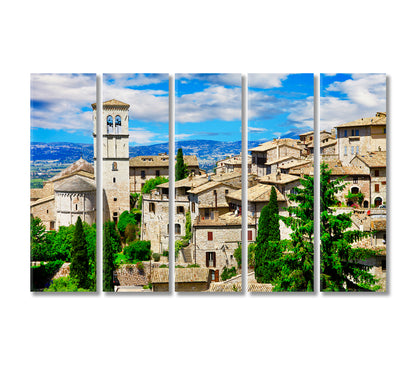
point(250, 235)
point(210, 259)
point(210, 235)
point(376, 187)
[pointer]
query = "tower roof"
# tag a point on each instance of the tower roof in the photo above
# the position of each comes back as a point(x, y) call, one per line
point(112, 103)
point(76, 184)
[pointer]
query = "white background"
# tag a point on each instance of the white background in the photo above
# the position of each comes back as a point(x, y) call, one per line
point(206, 334)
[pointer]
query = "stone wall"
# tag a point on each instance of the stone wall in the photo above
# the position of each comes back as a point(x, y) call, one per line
point(46, 212)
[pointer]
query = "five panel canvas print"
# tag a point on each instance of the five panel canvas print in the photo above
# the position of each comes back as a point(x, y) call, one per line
point(129, 154)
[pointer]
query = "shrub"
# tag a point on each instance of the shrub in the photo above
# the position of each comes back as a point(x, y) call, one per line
point(140, 266)
point(138, 251)
point(228, 273)
point(156, 257)
point(193, 266)
point(130, 232)
point(125, 218)
point(165, 253)
point(163, 266)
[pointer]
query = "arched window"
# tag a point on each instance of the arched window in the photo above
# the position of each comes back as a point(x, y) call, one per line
point(355, 190)
point(118, 124)
point(378, 201)
point(109, 124)
point(114, 166)
point(365, 204)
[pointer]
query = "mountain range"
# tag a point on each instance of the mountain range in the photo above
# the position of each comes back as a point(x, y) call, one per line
point(208, 151)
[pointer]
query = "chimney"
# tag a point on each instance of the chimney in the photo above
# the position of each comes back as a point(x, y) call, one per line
point(333, 132)
point(278, 176)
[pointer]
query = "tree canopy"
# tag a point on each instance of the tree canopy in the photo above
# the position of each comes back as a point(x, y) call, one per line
point(342, 264)
point(79, 256)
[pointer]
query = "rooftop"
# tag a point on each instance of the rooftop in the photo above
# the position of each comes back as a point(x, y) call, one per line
point(258, 193)
point(76, 184)
point(374, 159)
point(278, 178)
point(112, 103)
point(77, 166)
point(378, 120)
point(159, 161)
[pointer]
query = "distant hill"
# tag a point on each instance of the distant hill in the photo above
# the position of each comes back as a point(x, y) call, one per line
point(207, 151)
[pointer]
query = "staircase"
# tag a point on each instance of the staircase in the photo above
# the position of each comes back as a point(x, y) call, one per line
point(187, 253)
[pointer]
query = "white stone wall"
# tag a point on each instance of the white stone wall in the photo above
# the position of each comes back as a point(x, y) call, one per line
point(69, 206)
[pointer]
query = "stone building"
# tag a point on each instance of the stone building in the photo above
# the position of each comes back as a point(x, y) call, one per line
point(361, 136)
point(143, 168)
point(374, 164)
point(265, 153)
point(67, 195)
point(115, 157)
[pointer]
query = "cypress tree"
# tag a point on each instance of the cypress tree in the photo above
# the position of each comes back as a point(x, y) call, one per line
point(295, 265)
point(181, 171)
point(79, 256)
point(342, 267)
point(268, 235)
point(108, 259)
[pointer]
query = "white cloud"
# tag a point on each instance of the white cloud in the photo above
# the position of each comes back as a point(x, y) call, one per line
point(301, 113)
point(183, 136)
point(256, 129)
point(266, 80)
point(365, 95)
point(58, 99)
point(214, 102)
point(143, 136)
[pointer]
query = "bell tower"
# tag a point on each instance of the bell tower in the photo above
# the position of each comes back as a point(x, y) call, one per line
point(115, 162)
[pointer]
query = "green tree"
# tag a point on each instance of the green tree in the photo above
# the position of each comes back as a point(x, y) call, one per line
point(138, 251)
point(108, 257)
point(79, 256)
point(342, 267)
point(295, 263)
point(181, 170)
point(268, 233)
point(125, 218)
point(37, 238)
point(149, 185)
point(131, 232)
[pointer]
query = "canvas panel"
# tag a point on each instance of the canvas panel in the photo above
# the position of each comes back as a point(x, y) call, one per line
point(135, 163)
point(63, 183)
point(353, 158)
point(280, 182)
point(207, 221)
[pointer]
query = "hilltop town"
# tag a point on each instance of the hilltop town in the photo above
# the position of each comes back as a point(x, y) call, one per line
point(208, 205)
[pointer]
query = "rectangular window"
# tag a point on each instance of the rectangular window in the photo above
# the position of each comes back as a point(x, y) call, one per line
point(193, 207)
point(180, 210)
point(345, 150)
point(177, 229)
point(114, 180)
point(352, 150)
point(143, 174)
point(357, 132)
point(158, 173)
point(249, 235)
point(376, 187)
point(115, 199)
point(376, 173)
point(352, 132)
point(210, 235)
point(357, 150)
point(345, 133)
point(355, 180)
point(152, 207)
point(210, 260)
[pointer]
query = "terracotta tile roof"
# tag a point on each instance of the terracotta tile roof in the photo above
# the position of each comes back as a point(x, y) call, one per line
point(280, 160)
point(259, 192)
point(191, 275)
point(308, 170)
point(278, 178)
point(159, 161)
point(80, 165)
point(75, 184)
point(43, 200)
point(348, 170)
point(112, 103)
point(370, 121)
point(296, 164)
point(160, 275)
point(374, 159)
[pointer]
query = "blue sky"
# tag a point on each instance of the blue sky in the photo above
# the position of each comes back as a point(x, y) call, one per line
point(148, 96)
point(208, 107)
point(280, 105)
point(60, 107)
point(348, 97)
